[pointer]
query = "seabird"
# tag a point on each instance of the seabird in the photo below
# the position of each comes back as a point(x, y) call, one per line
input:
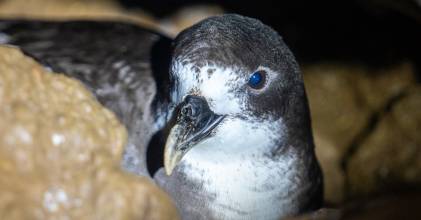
point(228, 96)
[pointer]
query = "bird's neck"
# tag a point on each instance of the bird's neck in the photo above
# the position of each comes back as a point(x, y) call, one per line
point(247, 180)
point(263, 187)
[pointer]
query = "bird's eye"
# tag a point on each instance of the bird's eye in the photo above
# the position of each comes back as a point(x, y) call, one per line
point(257, 79)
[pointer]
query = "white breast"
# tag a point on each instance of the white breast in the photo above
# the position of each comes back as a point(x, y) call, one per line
point(235, 166)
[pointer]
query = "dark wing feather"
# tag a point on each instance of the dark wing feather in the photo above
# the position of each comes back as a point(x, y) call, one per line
point(122, 64)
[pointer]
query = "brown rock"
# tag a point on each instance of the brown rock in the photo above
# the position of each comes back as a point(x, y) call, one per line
point(337, 117)
point(60, 151)
point(390, 157)
point(73, 9)
point(321, 214)
point(386, 207)
point(105, 10)
point(342, 99)
point(390, 207)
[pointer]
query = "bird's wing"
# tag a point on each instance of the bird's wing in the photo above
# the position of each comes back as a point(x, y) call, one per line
point(125, 67)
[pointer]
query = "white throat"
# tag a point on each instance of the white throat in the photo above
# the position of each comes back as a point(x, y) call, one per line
point(235, 165)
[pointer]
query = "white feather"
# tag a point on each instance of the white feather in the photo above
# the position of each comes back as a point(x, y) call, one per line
point(216, 87)
point(240, 174)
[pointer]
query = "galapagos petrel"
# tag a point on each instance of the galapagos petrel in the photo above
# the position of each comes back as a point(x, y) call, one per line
point(226, 96)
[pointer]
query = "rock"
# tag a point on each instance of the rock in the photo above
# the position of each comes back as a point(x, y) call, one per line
point(321, 214)
point(105, 10)
point(390, 206)
point(337, 118)
point(390, 157)
point(342, 98)
point(386, 207)
point(60, 151)
point(73, 9)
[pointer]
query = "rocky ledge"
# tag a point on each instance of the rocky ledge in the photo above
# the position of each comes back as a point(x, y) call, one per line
point(60, 151)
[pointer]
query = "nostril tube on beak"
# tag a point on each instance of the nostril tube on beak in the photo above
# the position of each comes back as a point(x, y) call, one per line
point(187, 111)
point(194, 108)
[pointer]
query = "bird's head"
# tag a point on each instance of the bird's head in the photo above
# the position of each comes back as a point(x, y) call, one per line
point(237, 87)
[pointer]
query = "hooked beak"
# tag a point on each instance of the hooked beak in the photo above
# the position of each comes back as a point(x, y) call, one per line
point(195, 121)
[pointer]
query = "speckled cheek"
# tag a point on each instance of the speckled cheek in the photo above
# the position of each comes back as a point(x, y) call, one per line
point(220, 86)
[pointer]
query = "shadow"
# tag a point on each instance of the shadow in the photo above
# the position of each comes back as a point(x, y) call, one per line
point(160, 65)
point(155, 152)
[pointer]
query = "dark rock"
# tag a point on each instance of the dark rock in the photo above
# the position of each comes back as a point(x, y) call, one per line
point(343, 98)
point(390, 157)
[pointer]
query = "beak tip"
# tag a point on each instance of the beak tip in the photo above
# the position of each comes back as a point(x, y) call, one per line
point(168, 170)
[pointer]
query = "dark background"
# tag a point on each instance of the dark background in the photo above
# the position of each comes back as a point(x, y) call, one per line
point(374, 32)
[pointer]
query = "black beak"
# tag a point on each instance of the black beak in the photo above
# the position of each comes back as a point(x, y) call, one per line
point(195, 121)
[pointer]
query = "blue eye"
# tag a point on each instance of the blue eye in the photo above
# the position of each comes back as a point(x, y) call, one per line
point(257, 80)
